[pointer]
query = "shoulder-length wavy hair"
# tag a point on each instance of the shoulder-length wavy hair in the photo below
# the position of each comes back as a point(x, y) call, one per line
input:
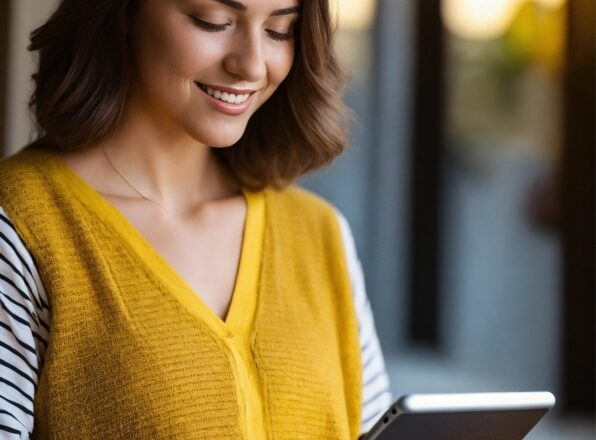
point(85, 72)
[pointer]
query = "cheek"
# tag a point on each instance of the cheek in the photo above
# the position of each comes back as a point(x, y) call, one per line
point(163, 53)
point(173, 51)
point(280, 65)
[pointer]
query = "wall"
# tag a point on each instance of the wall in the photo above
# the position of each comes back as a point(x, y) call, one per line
point(25, 15)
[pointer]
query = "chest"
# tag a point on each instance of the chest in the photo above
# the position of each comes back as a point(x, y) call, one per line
point(203, 250)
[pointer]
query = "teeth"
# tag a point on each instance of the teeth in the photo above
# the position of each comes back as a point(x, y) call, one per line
point(225, 96)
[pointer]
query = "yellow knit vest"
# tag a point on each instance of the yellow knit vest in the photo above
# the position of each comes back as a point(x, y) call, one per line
point(126, 361)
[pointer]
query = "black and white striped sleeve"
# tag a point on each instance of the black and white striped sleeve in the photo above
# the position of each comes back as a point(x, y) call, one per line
point(376, 393)
point(24, 330)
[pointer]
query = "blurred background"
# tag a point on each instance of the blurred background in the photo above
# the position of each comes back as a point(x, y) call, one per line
point(469, 187)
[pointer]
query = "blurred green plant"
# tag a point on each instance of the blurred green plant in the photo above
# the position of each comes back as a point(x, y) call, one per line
point(502, 92)
point(534, 38)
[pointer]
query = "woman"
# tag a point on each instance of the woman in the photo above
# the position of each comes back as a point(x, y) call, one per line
point(160, 275)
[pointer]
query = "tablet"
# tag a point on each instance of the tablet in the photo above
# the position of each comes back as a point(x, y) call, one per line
point(470, 416)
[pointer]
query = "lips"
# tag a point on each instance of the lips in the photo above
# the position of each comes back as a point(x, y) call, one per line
point(218, 92)
point(227, 100)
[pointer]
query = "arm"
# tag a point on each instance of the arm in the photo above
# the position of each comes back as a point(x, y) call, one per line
point(376, 394)
point(24, 330)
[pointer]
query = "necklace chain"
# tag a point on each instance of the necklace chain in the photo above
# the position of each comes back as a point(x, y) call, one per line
point(131, 185)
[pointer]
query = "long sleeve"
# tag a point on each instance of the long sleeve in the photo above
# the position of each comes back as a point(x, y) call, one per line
point(376, 388)
point(24, 330)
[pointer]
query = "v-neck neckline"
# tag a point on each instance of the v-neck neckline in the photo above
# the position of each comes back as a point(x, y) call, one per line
point(238, 318)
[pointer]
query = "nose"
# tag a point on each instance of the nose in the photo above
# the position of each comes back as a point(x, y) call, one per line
point(245, 58)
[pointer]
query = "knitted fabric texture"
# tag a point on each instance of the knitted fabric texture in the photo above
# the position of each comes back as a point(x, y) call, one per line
point(126, 360)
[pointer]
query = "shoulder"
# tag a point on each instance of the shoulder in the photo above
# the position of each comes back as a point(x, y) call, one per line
point(301, 202)
point(25, 166)
point(26, 158)
point(304, 218)
point(27, 182)
point(11, 166)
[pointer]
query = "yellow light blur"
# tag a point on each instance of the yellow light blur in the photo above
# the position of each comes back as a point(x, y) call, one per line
point(478, 19)
point(552, 3)
point(354, 15)
point(484, 19)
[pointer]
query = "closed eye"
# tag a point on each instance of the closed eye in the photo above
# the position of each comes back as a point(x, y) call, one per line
point(280, 36)
point(218, 27)
point(208, 26)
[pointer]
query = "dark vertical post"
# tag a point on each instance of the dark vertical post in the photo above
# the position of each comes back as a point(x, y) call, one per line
point(578, 213)
point(426, 175)
point(4, 35)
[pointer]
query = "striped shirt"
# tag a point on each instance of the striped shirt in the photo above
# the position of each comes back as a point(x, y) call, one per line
point(25, 328)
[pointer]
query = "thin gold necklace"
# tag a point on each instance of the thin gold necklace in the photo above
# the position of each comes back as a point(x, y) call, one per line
point(132, 186)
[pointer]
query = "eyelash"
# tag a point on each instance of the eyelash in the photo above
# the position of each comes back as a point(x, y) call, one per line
point(213, 27)
point(209, 27)
point(277, 36)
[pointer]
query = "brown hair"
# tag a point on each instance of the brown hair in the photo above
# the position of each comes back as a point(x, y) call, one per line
point(85, 72)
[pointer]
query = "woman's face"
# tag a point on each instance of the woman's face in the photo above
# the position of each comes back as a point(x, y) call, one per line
point(205, 66)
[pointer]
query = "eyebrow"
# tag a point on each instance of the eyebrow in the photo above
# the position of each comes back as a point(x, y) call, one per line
point(286, 11)
point(242, 7)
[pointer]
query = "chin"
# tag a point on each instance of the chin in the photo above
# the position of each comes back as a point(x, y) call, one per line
point(219, 140)
point(221, 145)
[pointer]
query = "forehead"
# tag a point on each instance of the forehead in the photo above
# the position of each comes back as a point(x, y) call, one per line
point(249, 5)
point(258, 9)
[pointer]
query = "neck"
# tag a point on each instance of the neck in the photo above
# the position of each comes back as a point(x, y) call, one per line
point(165, 165)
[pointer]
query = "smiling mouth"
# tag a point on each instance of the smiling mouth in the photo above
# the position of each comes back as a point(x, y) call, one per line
point(224, 96)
